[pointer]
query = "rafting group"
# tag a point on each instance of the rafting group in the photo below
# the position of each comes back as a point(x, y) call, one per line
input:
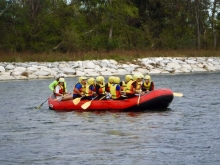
point(97, 89)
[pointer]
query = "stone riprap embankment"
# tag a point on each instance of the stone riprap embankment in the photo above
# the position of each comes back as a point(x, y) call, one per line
point(159, 65)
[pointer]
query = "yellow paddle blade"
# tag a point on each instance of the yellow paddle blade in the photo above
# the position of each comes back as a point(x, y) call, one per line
point(178, 94)
point(77, 100)
point(38, 107)
point(86, 105)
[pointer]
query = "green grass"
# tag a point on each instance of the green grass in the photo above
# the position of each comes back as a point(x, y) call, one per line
point(118, 55)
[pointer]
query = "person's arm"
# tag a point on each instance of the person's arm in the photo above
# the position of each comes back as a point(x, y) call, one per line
point(118, 88)
point(56, 90)
point(76, 89)
point(52, 85)
point(152, 86)
point(65, 87)
point(92, 88)
point(134, 84)
point(97, 89)
point(106, 88)
point(143, 88)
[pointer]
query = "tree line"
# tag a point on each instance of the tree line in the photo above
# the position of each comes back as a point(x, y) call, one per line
point(88, 25)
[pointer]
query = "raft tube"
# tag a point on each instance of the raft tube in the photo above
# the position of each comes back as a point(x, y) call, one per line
point(156, 99)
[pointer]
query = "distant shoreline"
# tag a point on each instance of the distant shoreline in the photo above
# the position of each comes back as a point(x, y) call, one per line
point(93, 68)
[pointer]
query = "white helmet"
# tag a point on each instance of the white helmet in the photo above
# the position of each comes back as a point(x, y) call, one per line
point(61, 80)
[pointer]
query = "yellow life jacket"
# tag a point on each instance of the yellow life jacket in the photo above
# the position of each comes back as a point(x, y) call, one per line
point(138, 87)
point(102, 88)
point(114, 93)
point(147, 86)
point(124, 86)
point(129, 88)
point(88, 92)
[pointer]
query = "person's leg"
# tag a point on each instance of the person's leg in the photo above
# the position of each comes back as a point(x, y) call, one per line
point(67, 97)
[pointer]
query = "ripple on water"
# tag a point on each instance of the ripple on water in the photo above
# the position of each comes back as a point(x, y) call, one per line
point(186, 133)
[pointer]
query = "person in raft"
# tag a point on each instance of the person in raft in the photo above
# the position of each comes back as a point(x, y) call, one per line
point(131, 86)
point(139, 79)
point(90, 89)
point(55, 83)
point(123, 84)
point(79, 88)
point(108, 85)
point(115, 90)
point(100, 87)
point(131, 89)
point(148, 85)
point(59, 90)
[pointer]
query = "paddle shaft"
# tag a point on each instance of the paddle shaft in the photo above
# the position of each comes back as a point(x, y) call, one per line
point(102, 97)
point(41, 104)
point(139, 97)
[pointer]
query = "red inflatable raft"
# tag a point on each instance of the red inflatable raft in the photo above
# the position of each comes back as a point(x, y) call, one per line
point(157, 99)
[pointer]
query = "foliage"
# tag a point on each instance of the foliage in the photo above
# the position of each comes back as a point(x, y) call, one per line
point(94, 25)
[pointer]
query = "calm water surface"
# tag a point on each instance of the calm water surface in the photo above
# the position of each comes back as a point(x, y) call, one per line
point(188, 132)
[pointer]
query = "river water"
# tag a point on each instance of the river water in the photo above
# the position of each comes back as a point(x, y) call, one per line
point(188, 132)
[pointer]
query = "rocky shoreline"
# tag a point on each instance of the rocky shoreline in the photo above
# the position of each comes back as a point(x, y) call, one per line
point(157, 65)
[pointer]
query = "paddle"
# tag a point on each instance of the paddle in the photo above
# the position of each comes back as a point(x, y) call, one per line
point(102, 97)
point(77, 100)
point(58, 98)
point(41, 104)
point(178, 94)
point(139, 98)
point(87, 104)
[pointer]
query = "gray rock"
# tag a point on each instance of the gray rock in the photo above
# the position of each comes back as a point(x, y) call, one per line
point(9, 67)
point(173, 65)
point(68, 70)
point(155, 71)
point(16, 73)
point(89, 65)
point(21, 77)
point(191, 61)
point(6, 77)
point(41, 73)
point(106, 73)
point(80, 73)
point(113, 62)
point(20, 69)
point(199, 70)
point(32, 76)
point(93, 74)
point(2, 69)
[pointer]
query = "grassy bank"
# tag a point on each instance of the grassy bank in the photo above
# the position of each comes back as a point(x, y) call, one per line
point(117, 55)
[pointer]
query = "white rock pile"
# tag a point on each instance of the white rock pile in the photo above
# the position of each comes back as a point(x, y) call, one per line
point(159, 65)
